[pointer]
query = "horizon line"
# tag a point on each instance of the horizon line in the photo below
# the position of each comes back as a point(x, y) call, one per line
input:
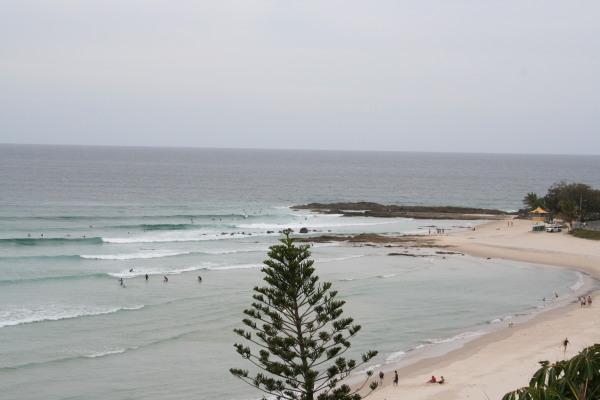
point(292, 149)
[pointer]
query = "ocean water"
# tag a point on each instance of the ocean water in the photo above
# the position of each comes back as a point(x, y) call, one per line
point(73, 220)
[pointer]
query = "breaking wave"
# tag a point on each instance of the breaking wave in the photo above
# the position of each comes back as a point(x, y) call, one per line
point(28, 316)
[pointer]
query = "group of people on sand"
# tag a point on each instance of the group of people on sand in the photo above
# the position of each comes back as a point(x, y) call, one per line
point(585, 301)
point(433, 379)
point(381, 375)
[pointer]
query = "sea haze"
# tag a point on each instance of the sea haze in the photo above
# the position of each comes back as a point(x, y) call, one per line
point(75, 220)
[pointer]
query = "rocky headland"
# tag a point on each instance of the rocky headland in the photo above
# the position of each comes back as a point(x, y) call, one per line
point(369, 209)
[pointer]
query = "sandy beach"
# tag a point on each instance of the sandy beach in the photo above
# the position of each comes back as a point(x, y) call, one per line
point(494, 364)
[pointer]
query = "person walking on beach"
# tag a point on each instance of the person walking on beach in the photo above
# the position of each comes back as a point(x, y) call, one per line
point(589, 301)
point(199, 278)
point(565, 344)
point(380, 378)
point(121, 281)
point(395, 378)
point(165, 279)
point(146, 277)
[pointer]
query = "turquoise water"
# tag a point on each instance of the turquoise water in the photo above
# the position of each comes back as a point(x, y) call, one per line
point(75, 220)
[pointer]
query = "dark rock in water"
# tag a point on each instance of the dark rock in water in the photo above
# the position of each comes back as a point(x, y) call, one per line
point(270, 231)
point(407, 254)
point(303, 230)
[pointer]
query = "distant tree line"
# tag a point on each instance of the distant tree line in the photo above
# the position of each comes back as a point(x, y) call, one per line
point(569, 201)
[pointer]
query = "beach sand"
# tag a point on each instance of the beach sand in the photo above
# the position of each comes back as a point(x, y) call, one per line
point(492, 365)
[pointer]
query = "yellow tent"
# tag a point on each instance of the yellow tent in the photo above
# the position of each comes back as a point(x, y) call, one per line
point(539, 214)
point(538, 210)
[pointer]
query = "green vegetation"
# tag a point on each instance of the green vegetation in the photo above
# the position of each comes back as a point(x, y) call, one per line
point(574, 379)
point(294, 332)
point(586, 234)
point(569, 201)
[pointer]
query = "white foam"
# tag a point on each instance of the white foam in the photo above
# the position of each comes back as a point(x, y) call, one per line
point(105, 353)
point(579, 284)
point(310, 225)
point(239, 266)
point(134, 256)
point(55, 313)
point(150, 271)
point(174, 236)
point(324, 260)
point(394, 356)
point(386, 276)
point(459, 337)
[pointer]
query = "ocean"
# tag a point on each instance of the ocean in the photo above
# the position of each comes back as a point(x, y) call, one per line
point(74, 220)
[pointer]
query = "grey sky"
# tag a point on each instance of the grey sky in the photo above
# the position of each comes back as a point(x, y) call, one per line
point(493, 76)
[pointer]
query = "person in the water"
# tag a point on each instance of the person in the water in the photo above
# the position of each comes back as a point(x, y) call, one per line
point(199, 278)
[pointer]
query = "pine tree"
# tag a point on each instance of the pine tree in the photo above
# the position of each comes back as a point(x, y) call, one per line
point(295, 333)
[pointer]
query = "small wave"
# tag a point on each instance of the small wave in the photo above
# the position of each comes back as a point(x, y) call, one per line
point(579, 284)
point(460, 336)
point(157, 227)
point(324, 260)
point(49, 241)
point(386, 276)
point(142, 272)
point(296, 226)
point(107, 353)
point(502, 319)
point(190, 236)
point(28, 316)
point(50, 278)
point(133, 256)
point(121, 217)
point(394, 356)
point(126, 274)
point(239, 266)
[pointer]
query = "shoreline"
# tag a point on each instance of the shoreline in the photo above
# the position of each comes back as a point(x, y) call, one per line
point(490, 365)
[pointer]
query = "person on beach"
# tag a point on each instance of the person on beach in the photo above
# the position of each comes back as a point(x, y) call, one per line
point(199, 278)
point(432, 380)
point(582, 301)
point(146, 276)
point(395, 378)
point(589, 301)
point(165, 279)
point(381, 378)
point(442, 380)
point(121, 281)
point(565, 344)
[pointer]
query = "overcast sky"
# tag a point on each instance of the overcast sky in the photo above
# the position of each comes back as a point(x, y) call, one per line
point(475, 76)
